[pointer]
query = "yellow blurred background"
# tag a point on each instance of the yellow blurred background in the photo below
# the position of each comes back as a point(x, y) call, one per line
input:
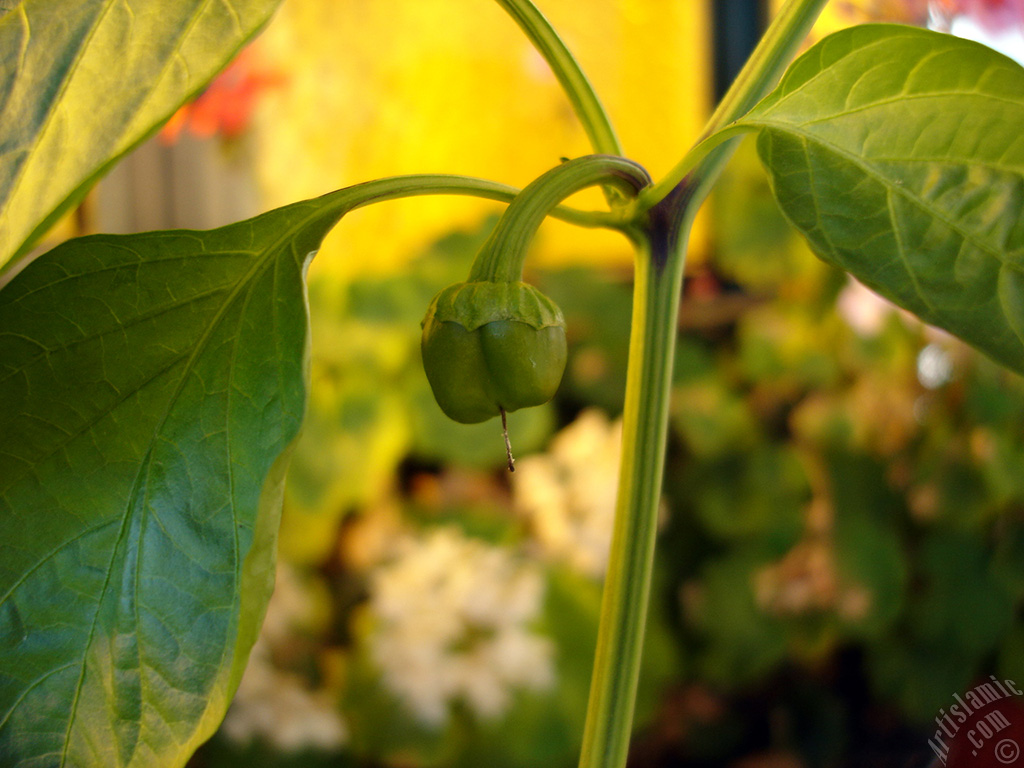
point(376, 88)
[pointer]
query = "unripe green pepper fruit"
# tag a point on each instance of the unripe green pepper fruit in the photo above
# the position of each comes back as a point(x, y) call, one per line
point(492, 346)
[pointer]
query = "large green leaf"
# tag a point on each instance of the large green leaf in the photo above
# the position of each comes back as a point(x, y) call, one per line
point(898, 152)
point(83, 81)
point(152, 385)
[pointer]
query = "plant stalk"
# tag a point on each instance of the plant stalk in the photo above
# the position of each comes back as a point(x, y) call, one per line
point(665, 212)
point(501, 257)
point(630, 567)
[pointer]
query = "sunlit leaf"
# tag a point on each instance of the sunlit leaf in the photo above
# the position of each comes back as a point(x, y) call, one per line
point(152, 385)
point(83, 81)
point(898, 153)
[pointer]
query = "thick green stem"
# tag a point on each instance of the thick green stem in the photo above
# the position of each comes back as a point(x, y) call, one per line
point(628, 581)
point(667, 211)
point(502, 256)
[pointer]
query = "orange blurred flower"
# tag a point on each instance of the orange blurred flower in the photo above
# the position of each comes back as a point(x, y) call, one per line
point(225, 108)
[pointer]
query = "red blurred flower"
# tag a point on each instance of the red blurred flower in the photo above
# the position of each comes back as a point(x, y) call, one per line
point(226, 106)
point(992, 15)
point(896, 11)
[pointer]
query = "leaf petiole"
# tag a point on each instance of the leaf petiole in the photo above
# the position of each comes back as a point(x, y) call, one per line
point(763, 69)
point(665, 211)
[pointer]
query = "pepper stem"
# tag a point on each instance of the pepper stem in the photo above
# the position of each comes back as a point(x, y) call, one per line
point(501, 258)
point(508, 444)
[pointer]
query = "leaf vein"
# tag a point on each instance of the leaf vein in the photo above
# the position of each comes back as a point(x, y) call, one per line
point(872, 173)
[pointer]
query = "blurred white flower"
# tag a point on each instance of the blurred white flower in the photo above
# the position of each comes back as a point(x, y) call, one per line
point(863, 309)
point(452, 618)
point(278, 706)
point(568, 494)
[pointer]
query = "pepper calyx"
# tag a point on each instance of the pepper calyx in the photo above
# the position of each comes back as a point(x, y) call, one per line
point(490, 348)
point(476, 303)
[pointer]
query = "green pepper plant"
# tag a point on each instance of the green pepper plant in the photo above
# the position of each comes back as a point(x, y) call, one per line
point(152, 385)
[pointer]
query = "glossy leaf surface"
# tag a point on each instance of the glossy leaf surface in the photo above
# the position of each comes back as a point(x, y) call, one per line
point(83, 81)
point(152, 385)
point(898, 152)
